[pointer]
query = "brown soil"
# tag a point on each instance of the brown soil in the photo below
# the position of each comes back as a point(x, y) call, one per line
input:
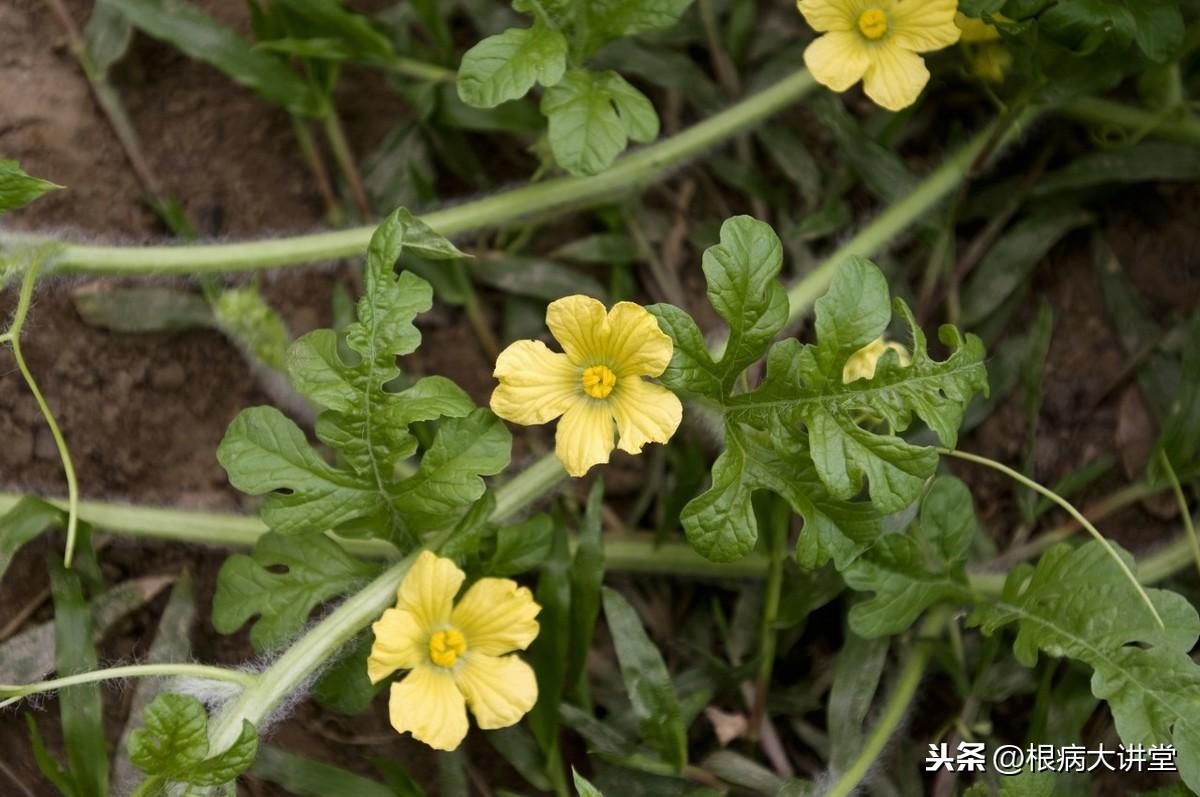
point(144, 414)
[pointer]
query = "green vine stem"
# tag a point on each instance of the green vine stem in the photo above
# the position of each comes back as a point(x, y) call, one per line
point(624, 553)
point(13, 338)
point(14, 693)
point(629, 173)
point(1071, 510)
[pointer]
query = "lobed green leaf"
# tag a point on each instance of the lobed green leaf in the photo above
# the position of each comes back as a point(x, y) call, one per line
point(803, 432)
point(506, 66)
point(18, 189)
point(28, 518)
point(647, 682)
point(592, 116)
point(195, 33)
point(317, 569)
point(364, 493)
point(80, 707)
point(173, 745)
point(1077, 603)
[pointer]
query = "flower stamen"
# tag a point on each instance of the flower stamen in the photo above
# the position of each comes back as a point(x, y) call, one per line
point(598, 381)
point(446, 646)
point(873, 23)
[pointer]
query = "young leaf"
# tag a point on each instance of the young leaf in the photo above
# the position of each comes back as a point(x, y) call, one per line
point(264, 452)
point(947, 519)
point(1179, 440)
point(522, 546)
point(743, 287)
point(583, 786)
point(519, 748)
point(29, 655)
point(79, 706)
point(344, 686)
point(903, 583)
point(805, 433)
point(47, 764)
point(26, 520)
point(908, 576)
point(107, 36)
point(804, 385)
point(587, 576)
point(1037, 347)
point(605, 20)
point(172, 642)
point(317, 569)
point(195, 33)
point(881, 170)
point(1010, 261)
point(398, 779)
point(506, 66)
point(1143, 162)
point(310, 778)
point(173, 746)
point(139, 310)
point(1078, 603)
point(721, 523)
point(855, 681)
point(18, 189)
point(1156, 25)
point(349, 28)
point(592, 116)
point(244, 315)
point(548, 652)
point(649, 685)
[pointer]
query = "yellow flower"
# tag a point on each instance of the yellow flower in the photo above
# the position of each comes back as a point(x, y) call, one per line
point(596, 382)
point(975, 30)
point(455, 654)
point(990, 62)
point(861, 364)
point(990, 59)
point(877, 41)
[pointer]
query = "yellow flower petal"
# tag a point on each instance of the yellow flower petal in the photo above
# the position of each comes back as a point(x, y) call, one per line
point(578, 324)
point(428, 590)
point(585, 436)
point(400, 644)
point(636, 346)
point(645, 413)
point(499, 689)
point(924, 25)
point(837, 60)
point(895, 78)
point(862, 364)
point(536, 384)
point(428, 704)
point(827, 15)
point(496, 616)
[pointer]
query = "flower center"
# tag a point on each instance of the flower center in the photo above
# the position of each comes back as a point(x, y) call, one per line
point(446, 646)
point(873, 23)
point(598, 381)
